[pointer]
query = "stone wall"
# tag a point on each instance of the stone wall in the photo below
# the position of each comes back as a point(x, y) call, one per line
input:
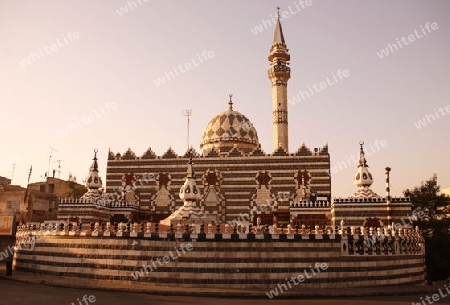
point(224, 260)
point(235, 177)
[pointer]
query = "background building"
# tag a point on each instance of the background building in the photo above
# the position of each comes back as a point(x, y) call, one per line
point(42, 198)
point(12, 199)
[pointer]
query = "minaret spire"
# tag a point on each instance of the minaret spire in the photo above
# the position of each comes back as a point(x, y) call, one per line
point(279, 74)
point(278, 37)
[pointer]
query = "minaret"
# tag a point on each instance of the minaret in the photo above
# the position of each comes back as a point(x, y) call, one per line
point(279, 74)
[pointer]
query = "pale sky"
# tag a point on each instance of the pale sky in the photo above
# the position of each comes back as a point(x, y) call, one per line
point(98, 70)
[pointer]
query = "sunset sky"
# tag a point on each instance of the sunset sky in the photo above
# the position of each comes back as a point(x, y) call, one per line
point(82, 75)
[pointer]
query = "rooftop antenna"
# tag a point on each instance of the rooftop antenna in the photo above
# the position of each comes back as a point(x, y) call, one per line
point(59, 167)
point(28, 183)
point(188, 114)
point(14, 169)
point(49, 160)
point(29, 174)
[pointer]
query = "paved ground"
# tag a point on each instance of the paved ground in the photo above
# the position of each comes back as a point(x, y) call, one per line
point(36, 289)
point(13, 292)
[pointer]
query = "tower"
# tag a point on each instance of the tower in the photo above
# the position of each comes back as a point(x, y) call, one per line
point(279, 74)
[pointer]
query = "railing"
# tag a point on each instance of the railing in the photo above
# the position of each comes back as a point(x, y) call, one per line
point(370, 200)
point(311, 204)
point(355, 241)
point(99, 203)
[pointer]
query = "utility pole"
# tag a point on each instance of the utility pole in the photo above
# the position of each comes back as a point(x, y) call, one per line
point(188, 113)
point(12, 175)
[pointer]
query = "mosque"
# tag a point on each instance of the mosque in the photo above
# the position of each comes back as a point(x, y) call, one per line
point(237, 179)
point(282, 200)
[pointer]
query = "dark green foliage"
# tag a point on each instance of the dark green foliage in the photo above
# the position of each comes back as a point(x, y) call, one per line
point(435, 227)
point(438, 257)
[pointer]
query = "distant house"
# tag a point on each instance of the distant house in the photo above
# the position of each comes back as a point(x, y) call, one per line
point(11, 199)
point(42, 198)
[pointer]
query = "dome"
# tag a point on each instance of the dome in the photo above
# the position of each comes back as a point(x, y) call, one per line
point(229, 129)
point(363, 177)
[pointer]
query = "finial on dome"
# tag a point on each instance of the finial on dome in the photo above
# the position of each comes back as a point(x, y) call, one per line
point(362, 160)
point(95, 160)
point(278, 13)
point(190, 169)
point(230, 103)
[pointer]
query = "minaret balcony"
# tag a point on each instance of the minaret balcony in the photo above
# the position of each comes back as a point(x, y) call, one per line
point(279, 72)
point(279, 53)
point(280, 68)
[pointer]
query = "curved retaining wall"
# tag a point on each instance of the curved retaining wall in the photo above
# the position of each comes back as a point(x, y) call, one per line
point(226, 260)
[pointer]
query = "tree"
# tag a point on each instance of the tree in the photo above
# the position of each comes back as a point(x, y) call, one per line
point(435, 226)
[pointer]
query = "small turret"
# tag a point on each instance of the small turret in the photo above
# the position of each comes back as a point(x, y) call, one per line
point(189, 190)
point(93, 181)
point(363, 178)
point(189, 212)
